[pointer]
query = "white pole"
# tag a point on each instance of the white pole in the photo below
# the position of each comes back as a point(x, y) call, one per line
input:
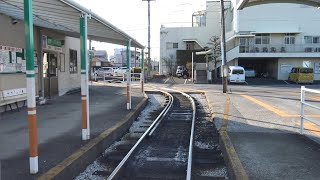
point(129, 76)
point(87, 76)
point(192, 67)
point(302, 109)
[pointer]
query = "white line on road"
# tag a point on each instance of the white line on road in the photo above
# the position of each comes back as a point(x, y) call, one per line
point(246, 83)
point(167, 80)
point(185, 82)
point(285, 81)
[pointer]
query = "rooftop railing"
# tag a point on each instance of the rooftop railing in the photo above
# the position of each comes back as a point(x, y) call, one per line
point(269, 48)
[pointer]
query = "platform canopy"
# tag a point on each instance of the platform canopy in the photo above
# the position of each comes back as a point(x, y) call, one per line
point(246, 3)
point(63, 16)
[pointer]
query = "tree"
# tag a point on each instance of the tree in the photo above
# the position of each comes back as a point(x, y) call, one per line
point(216, 53)
point(170, 64)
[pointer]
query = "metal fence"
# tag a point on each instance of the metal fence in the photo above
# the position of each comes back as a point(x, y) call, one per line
point(303, 105)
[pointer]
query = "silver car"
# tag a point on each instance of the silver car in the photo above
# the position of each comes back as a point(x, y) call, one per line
point(250, 73)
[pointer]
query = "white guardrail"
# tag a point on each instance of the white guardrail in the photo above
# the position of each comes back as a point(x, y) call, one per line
point(134, 76)
point(303, 104)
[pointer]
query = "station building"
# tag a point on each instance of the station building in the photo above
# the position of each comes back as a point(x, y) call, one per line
point(269, 38)
point(57, 73)
point(56, 47)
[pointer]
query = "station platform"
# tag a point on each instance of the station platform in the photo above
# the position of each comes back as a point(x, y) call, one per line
point(267, 144)
point(59, 128)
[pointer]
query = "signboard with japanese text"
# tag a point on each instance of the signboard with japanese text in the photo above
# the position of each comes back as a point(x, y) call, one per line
point(52, 44)
point(9, 57)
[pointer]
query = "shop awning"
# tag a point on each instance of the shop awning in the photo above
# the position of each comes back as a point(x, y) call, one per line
point(204, 52)
point(63, 16)
point(239, 36)
point(192, 40)
point(246, 3)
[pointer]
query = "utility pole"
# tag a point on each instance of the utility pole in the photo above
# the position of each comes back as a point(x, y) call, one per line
point(223, 49)
point(149, 49)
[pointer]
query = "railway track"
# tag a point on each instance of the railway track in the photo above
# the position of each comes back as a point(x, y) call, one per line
point(181, 143)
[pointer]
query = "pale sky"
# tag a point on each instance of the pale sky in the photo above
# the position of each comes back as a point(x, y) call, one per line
point(131, 16)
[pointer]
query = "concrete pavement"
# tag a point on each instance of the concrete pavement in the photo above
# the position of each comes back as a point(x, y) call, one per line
point(268, 144)
point(59, 128)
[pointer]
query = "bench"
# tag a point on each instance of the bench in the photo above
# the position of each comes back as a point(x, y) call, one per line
point(13, 96)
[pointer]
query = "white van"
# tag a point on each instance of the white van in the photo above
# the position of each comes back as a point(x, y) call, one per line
point(236, 74)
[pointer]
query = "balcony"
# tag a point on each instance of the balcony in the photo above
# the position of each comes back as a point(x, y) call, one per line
point(274, 51)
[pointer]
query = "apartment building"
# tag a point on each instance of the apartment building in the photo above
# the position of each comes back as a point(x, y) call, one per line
point(120, 57)
point(270, 38)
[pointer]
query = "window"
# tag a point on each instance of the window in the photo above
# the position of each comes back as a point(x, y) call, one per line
point(262, 39)
point(199, 19)
point(312, 39)
point(308, 39)
point(237, 71)
point(289, 38)
point(306, 70)
point(73, 61)
point(316, 39)
point(190, 46)
point(171, 45)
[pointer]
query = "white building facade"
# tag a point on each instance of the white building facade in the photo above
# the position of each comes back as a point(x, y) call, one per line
point(270, 38)
point(120, 57)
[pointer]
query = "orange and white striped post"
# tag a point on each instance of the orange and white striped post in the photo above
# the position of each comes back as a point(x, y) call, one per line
point(31, 90)
point(84, 78)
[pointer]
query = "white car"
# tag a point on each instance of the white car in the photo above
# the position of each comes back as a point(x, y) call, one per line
point(120, 71)
point(236, 74)
point(103, 72)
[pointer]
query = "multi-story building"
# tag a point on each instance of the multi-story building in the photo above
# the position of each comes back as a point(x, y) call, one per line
point(120, 57)
point(270, 38)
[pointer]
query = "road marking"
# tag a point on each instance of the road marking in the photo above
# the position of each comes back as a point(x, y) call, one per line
point(167, 80)
point(286, 82)
point(276, 111)
point(309, 126)
point(185, 82)
point(232, 158)
point(268, 107)
point(246, 83)
point(313, 97)
point(225, 115)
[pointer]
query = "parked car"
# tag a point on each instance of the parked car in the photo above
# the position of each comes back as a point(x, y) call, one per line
point(120, 71)
point(301, 75)
point(236, 74)
point(103, 72)
point(250, 73)
point(185, 74)
point(180, 70)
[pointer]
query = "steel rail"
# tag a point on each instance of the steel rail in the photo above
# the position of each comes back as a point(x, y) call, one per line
point(116, 171)
point(189, 168)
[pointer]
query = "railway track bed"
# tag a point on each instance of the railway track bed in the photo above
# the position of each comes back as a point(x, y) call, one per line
point(180, 143)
